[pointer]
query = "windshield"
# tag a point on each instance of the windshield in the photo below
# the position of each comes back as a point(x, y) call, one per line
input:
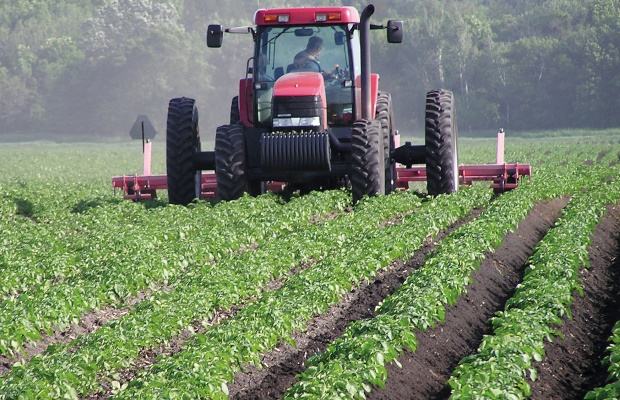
point(284, 49)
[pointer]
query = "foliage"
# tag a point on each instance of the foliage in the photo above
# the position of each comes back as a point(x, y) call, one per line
point(506, 358)
point(72, 66)
point(211, 360)
point(118, 27)
point(356, 361)
point(612, 361)
point(70, 248)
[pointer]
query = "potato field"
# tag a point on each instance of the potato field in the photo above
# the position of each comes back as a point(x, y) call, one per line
point(406, 296)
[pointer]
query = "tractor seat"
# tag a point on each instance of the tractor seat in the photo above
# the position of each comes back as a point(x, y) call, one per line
point(278, 72)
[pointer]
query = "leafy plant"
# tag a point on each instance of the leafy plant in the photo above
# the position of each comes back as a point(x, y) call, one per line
point(505, 359)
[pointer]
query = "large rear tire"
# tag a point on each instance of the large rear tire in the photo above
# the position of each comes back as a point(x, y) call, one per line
point(385, 115)
point(182, 144)
point(442, 170)
point(367, 159)
point(230, 162)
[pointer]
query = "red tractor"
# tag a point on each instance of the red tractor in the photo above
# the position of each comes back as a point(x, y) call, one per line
point(310, 115)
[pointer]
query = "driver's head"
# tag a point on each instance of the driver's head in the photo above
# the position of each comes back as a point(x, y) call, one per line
point(315, 44)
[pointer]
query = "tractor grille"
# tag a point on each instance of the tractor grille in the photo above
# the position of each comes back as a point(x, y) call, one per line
point(295, 151)
point(297, 106)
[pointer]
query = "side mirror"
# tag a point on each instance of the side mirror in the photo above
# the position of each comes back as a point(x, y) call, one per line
point(215, 35)
point(395, 31)
point(339, 38)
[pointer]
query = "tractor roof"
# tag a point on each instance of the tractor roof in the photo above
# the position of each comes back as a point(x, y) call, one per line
point(306, 16)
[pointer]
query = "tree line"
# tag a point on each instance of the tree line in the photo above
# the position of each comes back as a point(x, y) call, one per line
point(89, 67)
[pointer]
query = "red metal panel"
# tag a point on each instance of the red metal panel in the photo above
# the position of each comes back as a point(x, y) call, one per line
point(307, 15)
point(374, 92)
point(296, 84)
point(208, 189)
point(141, 181)
point(246, 107)
point(141, 187)
point(504, 176)
point(299, 84)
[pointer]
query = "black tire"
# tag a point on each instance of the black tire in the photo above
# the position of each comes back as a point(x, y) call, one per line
point(255, 188)
point(385, 115)
point(442, 170)
point(234, 111)
point(230, 162)
point(182, 144)
point(367, 160)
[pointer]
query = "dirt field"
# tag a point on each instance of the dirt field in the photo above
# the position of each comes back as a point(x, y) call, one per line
point(570, 368)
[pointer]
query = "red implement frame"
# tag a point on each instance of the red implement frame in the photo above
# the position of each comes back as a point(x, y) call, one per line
point(504, 176)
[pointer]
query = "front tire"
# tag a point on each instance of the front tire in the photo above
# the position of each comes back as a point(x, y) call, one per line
point(230, 162)
point(442, 170)
point(182, 144)
point(385, 115)
point(367, 160)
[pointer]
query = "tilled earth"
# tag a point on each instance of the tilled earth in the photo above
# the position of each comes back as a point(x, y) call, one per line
point(570, 368)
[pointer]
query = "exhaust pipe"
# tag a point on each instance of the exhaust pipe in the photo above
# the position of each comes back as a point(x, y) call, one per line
point(365, 50)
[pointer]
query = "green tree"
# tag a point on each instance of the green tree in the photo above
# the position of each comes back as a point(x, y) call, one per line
point(138, 56)
point(76, 66)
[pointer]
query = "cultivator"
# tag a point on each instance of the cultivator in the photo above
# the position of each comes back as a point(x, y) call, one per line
point(503, 176)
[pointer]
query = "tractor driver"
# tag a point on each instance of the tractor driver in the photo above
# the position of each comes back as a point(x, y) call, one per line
point(307, 60)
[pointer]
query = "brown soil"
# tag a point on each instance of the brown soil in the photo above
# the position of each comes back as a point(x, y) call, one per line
point(425, 372)
point(571, 367)
point(89, 322)
point(282, 364)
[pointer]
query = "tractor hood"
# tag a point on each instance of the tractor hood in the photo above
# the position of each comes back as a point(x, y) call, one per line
point(300, 84)
point(299, 102)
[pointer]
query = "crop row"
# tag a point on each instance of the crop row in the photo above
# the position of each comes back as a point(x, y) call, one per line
point(53, 248)
point(354, 362)
point(505, 359)
point(184, 238)
point(231, 280)
point(212, 358)
point(78, 246)
point(612, 362)
point(113, 262)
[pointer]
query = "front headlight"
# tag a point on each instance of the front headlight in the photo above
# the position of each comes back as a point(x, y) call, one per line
point(296, 121)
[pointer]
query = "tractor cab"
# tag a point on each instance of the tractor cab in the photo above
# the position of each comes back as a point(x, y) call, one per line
point(285, 57)
point(325, 42)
